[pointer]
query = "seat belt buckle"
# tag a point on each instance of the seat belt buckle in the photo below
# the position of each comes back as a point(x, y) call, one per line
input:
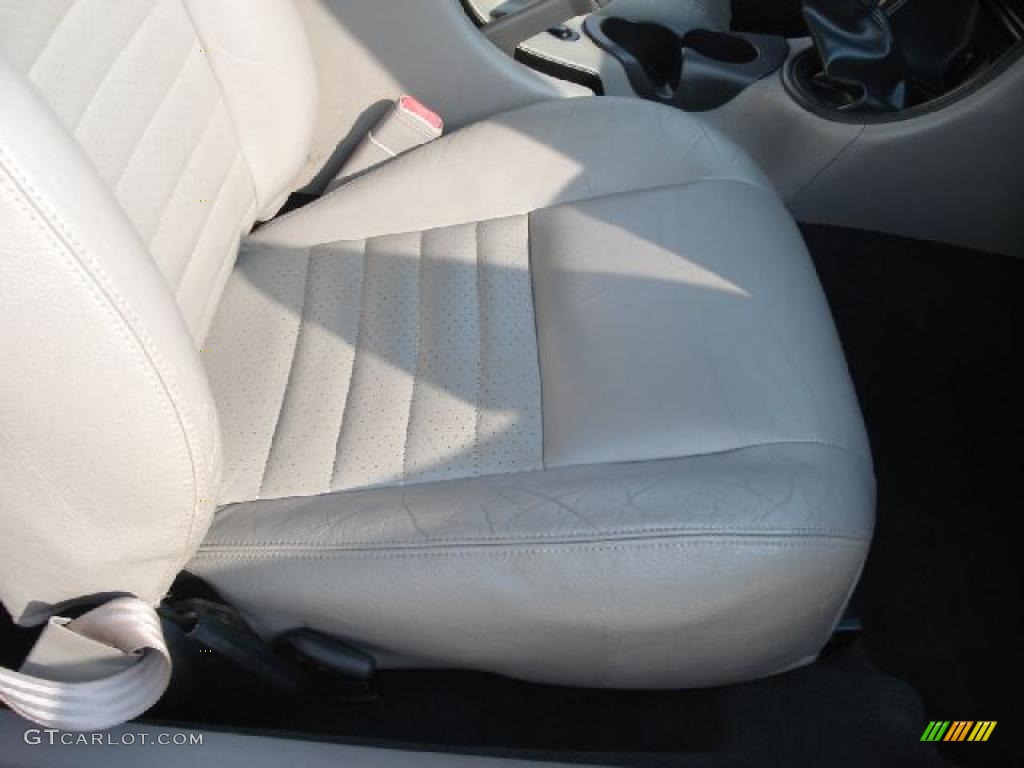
point(407, 125)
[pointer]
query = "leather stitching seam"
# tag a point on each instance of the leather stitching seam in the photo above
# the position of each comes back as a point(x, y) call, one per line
point(799, 543)
point(695, 530)
point(356, 343)
point(416, 366)
point(125, 324)
point(306, 287)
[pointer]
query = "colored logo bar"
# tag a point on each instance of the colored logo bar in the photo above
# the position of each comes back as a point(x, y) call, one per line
point(958, 730)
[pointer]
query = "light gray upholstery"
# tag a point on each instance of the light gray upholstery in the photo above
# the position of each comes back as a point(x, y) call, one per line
point(557, 396)
point(161, 97)
point(517, 162)
point(135, 151)
point(395, 359)
point(682, 572)
point(705, 462)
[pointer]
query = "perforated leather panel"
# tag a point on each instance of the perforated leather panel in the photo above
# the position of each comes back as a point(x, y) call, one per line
point(398, 359)
point(135, 88)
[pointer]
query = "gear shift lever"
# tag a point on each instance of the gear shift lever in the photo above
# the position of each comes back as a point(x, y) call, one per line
point(858, 49)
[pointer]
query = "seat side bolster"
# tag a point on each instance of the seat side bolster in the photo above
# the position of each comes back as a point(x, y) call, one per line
point(110, 456)
point(265, 70)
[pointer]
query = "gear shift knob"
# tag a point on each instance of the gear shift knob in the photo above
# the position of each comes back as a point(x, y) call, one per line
point(859, 51)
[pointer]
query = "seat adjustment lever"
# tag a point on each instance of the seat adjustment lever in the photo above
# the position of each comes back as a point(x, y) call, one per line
point(312, 647)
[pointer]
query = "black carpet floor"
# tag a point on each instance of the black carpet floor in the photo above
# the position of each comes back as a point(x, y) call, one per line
point(934, 336)
point(840, 712)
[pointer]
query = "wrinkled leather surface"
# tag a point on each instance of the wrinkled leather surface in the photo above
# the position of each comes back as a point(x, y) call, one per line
point(687, 572)
point(706, 500)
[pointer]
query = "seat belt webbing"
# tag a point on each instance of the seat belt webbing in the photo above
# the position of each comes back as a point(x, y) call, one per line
point(94, 672)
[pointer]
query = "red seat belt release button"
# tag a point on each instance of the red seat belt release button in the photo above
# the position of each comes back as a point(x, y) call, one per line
point(416, 108)
point(407, 125)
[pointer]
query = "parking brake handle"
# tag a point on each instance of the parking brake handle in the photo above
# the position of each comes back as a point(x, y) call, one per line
point(509, 31)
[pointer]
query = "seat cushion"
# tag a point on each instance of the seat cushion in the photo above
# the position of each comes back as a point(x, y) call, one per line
point(557, 396)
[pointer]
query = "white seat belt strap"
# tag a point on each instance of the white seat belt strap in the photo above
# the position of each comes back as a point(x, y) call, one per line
point(94, 672)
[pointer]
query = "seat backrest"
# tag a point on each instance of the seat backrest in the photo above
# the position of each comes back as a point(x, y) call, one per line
point(139, 141)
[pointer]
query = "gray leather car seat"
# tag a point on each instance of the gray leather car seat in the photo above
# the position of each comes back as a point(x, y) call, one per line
point(557, 396)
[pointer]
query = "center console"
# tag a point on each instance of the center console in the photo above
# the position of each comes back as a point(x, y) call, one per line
point(578, 50)
point(870, 60)
point(899, 116)
point(694, 69)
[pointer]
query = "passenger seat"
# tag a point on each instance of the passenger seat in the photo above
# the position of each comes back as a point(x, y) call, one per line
point(557, 396)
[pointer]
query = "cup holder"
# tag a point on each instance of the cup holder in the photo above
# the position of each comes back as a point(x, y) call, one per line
point(653, 47)
point(720, 46)
point(694, 69)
